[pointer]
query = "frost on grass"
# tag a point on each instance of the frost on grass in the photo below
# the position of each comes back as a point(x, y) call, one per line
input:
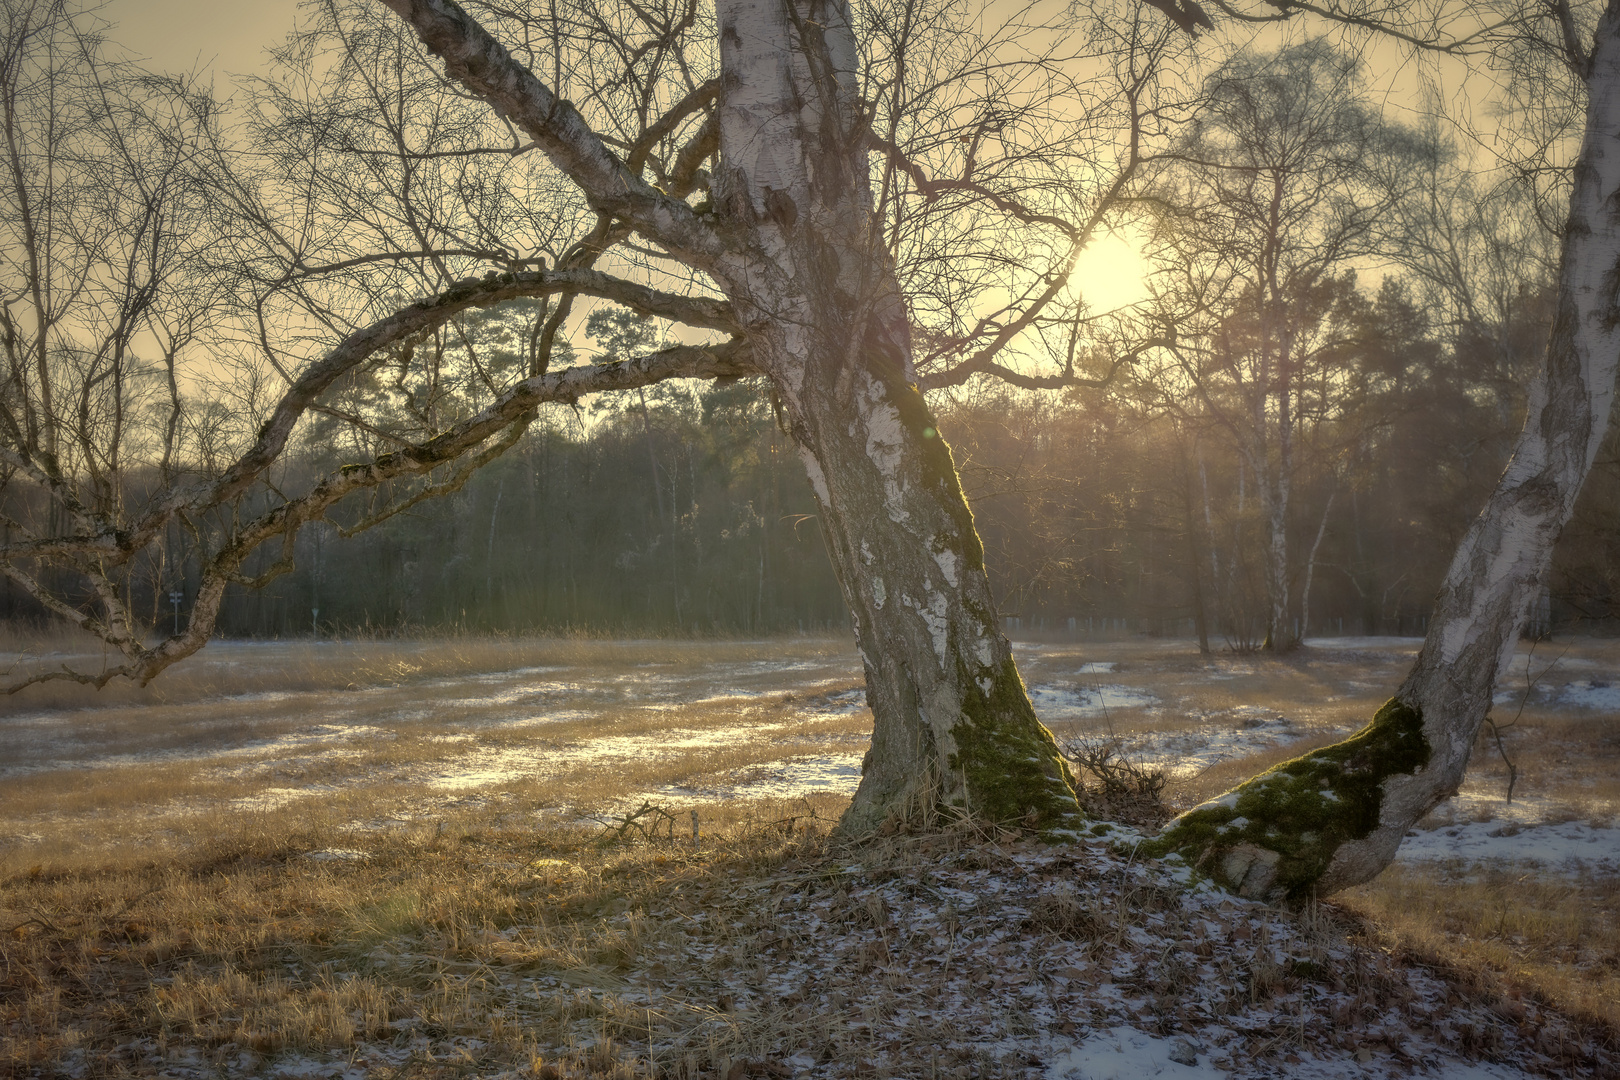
point(1191, 751)
point(1054, 702)
point(1124, 1053)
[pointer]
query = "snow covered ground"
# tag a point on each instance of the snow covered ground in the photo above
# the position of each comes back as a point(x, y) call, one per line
point(803, 715)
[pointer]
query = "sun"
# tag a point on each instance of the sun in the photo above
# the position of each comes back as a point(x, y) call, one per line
point(1110, 273)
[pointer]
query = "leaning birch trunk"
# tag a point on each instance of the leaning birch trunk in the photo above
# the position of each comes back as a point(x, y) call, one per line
point(954, 730)
point(1334, 818)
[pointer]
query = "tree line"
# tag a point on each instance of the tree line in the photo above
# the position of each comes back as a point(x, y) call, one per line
point(1103, 513)
point(1299, 455)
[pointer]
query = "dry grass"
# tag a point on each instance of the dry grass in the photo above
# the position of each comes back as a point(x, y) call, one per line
point(248, 947)
point(474, 947)
point(166, 912)
point(1555, 937)
point(403, 749)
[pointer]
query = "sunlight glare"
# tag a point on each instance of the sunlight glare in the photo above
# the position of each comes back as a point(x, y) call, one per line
point(1110, 274)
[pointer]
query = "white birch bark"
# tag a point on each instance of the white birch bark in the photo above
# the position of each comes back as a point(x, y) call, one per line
point(1310, 563)
point(954, 729)
point(1335, 817)
point(796, 249)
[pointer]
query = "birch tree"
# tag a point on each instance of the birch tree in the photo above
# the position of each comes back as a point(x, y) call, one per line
point(1336, 816)
point(847, 211)
point(1285, 178)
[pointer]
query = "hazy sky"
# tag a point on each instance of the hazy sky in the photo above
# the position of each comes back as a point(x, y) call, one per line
point(230, 36)
point(178, 35)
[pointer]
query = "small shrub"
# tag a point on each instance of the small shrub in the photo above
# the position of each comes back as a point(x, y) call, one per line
point(1115, 788)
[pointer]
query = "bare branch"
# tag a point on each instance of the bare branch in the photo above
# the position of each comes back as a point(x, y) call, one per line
point(665, 125)
point(507, 417)
point(964, 371)
point(118, 545)
point(485, 67)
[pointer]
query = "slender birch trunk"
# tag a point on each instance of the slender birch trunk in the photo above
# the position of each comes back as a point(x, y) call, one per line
point(1274, 500)
point(1335, 817)
point(1195, 556)
point(953, 726)
point(1310, 565)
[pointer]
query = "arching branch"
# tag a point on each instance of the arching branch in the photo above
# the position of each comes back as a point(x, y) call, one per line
point(484, 66)
point(504, 421)
point(118, 545)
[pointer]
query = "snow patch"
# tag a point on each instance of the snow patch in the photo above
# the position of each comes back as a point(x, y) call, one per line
point(1070, 702)
point(1570, 845)
point(1123, 1053)
point(1187, 753)
point(838, 774)
point(337, 855)
point(1591, 694)
point(271, 798)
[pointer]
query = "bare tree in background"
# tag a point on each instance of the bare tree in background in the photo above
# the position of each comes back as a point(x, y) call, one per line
point(1283, 181)
point(104, 292)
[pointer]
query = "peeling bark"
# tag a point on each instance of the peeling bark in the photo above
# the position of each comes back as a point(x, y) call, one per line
point(1335, 817)
point(954, 730)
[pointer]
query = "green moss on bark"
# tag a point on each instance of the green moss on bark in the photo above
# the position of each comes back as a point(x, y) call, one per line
point(1008, 759)
point(1276, 834)
point(938, 466)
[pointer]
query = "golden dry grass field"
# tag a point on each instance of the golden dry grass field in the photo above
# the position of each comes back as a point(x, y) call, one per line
point(383, 858)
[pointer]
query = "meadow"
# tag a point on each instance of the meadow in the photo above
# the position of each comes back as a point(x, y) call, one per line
point(577, 857)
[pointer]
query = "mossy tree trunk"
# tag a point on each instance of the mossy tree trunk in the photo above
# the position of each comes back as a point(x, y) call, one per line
point(954, 730)
point(1336, 816)
point(791, 238)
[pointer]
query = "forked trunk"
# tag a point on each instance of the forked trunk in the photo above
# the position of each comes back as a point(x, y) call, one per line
point(954, 729)
point(1334, 818)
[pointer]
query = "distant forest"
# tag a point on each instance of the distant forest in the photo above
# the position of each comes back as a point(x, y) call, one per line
point(1102, 511)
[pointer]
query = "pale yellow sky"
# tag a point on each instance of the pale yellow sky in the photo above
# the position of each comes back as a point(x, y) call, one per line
point(231, 36)
point(182, 35)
